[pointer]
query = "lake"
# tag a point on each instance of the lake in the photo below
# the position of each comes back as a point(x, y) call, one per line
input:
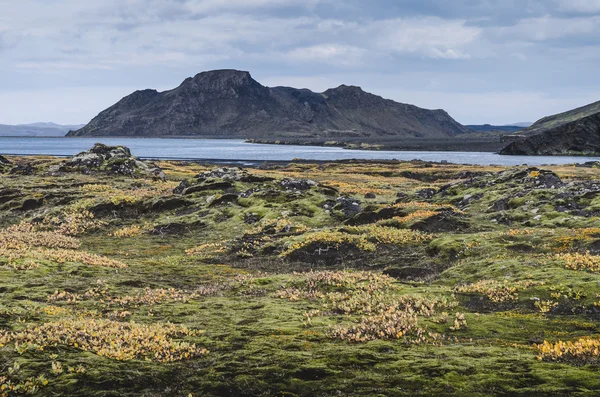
point(239, 151)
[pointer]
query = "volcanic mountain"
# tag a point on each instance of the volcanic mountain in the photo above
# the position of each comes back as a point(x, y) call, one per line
point(574, 132)
point(231, 104)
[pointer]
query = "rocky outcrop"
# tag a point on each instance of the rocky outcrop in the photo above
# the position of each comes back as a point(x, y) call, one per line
point(3, 160)
point(230, 103)
point(572, 133)
point(111, 160)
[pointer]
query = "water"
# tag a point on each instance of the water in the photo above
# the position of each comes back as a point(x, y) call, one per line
point(238, 150)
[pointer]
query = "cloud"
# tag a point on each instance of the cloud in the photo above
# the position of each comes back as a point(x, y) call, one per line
point(547, 28)
point(579, 6)
point(474, 48)
point(330, 53)
point(432, 37)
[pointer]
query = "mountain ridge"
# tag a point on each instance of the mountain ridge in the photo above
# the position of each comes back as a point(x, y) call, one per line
point(574, 132)
point(39, 129)
point(230, 103)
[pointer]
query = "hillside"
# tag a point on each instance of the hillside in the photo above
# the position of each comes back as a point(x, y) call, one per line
point(574, 132)
point(230, 103)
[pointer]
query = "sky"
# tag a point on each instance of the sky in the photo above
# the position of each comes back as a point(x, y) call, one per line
point(483, 61)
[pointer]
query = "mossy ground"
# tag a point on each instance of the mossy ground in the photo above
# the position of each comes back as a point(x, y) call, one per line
point(259, 343)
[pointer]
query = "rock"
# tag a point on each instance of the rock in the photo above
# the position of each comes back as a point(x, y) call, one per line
point(370, 195)
point(367, 217)
point(31, 204)
point(170, 204)
point(446, 221)
point(251, 218)
point(426, 193)
point(402, 198)
point(208, 186)
point(111, 160)
point(348, 206)
point(177, 228)
point(181, 187)
point(224, 199)
point(7, 195)
point(328, 190)
point(250, 192)
point(22, 169)
point(3, 160)
point(470, 198)
point(219, 179)
point(589, 164)
point(297, 184)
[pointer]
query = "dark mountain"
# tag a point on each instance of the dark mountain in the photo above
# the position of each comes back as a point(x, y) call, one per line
point(574, 132)
point(494, 128)
point(36, 129)
point(230, 103)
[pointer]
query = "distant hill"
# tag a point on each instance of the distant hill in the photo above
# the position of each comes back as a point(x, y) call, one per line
point(37, 129)
point(522, 124)
point(574, 132)
point(490, 128)
point(230, 103)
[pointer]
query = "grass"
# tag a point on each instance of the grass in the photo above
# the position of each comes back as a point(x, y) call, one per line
point(278, 295)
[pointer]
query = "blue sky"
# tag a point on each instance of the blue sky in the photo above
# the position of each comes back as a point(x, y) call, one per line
point(484, 61)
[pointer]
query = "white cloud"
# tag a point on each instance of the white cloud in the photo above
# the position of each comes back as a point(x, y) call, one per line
point(432, 37)
point(581, 6)
point(330, 53)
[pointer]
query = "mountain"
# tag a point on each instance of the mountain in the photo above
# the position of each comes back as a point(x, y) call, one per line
point(37, 129)
point(230, 103)
point(574, 132)
point(489, 128)
point(522, 124)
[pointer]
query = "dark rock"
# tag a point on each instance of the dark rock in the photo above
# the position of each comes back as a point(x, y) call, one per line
point(589, 164)
point(177, 228)
point(170, 204)
point(446, 221)
point(231, 103)
point(402, 198)
point(348, 206)
point(231, 174)
point(7, 195)
point(408, 273)
point(370, 195)
point(367, 217)
point(328, 190)
point(426, 193)
point(297, 184)
point(31, 204)
point(208, 186)
point(224, 199)
point(22, 169)
point(500, 205)
point(251, 218)
point(468, 199)
point(181, 187)
point(3, 160)
point(249, 192)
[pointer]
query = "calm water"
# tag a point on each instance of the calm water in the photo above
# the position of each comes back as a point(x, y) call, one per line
point(237, 150)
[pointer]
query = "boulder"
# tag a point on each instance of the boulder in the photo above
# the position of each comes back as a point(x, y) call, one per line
point(111, 160)
point(348, 206)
